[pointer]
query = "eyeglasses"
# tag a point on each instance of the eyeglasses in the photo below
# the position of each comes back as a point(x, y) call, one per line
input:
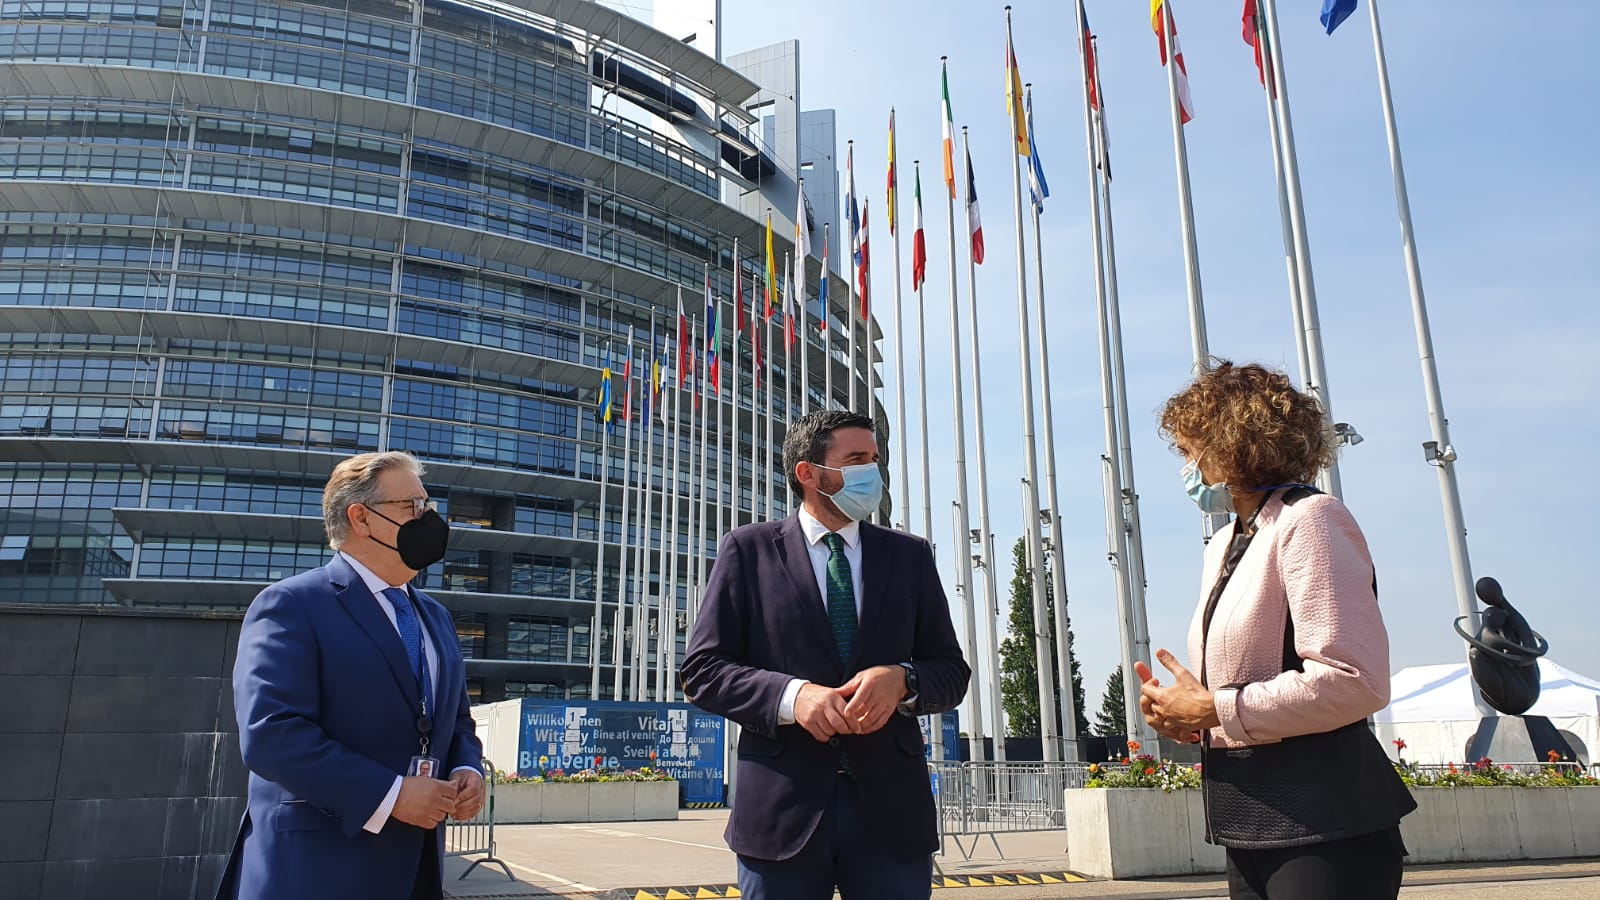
point(418, 505)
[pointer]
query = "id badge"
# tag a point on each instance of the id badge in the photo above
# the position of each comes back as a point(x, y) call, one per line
point(424, 766)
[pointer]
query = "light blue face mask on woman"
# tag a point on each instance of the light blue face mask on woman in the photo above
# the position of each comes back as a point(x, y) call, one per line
point(862, 492)
point(1211, 498)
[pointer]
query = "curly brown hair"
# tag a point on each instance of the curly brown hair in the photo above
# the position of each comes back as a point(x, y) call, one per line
point(1249, 427)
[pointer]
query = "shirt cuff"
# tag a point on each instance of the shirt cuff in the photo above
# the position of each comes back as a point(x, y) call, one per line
point(381, 816)
point(467, 769)
point(786, 703)
point(1227, 704)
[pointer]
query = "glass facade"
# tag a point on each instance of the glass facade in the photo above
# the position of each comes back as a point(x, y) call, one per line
point(209, 293)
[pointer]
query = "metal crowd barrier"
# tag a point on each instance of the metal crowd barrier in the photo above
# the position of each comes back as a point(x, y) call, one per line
point(476, 835)
point(974, 799)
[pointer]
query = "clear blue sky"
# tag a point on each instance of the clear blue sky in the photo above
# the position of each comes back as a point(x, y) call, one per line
point(1498, 128)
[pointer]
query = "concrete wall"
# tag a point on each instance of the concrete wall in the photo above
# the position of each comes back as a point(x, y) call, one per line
point(119, 766)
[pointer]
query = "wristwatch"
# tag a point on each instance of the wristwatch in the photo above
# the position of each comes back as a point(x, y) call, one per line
point(911, 681)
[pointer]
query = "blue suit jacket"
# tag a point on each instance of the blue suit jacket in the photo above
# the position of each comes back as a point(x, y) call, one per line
point(327, 706)
point(762, 622)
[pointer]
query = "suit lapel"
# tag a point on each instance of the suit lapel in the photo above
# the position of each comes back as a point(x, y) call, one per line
point(791, 548)
point(875, 568)
point(363, 607)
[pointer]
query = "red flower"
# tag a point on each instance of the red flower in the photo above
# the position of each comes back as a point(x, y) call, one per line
point(1399, 744)
point(1133, 747)
point(1149, 770)
point(1554, 756)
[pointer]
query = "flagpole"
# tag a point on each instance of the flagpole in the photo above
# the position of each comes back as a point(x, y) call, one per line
point(1191, 250)
point(666, 618)
point(899, 338)
point(618, 620)
point(721, 474)
point(766, 458)
point(1116, 537)
point(827, 333)
point(963, 518)
point(755, 410)
point(733, 363)
point(1442, 454)
point(1131, 527)
point(622, 542)
point(600, 518)
point(922, 386)
point(641, 594)
point(1049, 728)
point(1329, 478)
point(801, 332)
point(985, 540)
point(1058, 578)
point(703, 413)
point(850, 289)
point(1290, 262)
point(788, 329)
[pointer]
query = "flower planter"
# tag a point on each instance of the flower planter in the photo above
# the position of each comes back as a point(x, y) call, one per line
point(1135, 832)
point(1132, 833)
point(532, 803)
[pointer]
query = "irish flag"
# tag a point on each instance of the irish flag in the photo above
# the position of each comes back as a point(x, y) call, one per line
point(949, 132)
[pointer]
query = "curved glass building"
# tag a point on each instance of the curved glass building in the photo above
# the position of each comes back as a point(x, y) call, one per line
point(242, 239)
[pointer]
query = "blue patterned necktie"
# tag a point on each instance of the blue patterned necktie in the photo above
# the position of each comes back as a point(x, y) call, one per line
point(841, 597)
point(405, 618)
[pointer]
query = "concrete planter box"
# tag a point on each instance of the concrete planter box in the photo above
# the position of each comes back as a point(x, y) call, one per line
point(1133, 833)
point(603, 801)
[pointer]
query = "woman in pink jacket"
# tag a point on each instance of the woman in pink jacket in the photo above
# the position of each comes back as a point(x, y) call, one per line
point(1288, 651)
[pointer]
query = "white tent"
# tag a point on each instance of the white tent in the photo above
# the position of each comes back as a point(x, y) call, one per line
point(1431, 709)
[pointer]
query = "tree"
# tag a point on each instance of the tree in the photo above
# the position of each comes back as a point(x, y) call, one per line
point(1019, 661)
point(1112, 717)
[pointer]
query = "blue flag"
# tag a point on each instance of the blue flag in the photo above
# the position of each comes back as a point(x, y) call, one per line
point(1334, 12)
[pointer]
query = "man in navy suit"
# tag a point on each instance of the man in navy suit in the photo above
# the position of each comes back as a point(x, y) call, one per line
point(351, 696)
point(823, 636)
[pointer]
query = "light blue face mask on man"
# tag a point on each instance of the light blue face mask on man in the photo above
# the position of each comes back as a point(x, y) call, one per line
point(862, 492)
point(1211, 498)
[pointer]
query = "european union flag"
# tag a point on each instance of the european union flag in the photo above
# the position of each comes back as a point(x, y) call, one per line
point(1335, 12)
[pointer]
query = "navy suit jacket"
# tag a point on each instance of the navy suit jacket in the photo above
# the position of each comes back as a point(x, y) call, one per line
point(762, 622)
point(327, 706)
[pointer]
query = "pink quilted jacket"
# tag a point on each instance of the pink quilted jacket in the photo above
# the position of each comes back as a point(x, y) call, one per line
point(1312, 555)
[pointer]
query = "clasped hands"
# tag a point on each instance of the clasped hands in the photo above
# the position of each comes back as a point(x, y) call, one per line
point(1181, 711)
point(859, 706)
point(425, 802)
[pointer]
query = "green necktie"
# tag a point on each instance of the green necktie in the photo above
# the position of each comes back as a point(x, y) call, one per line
point(841, 597)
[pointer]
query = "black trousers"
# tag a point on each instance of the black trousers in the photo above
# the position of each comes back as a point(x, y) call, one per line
point(1359, 868)
point(429, 878)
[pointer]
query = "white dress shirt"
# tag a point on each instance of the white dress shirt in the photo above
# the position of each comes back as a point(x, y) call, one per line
point(814, 532)
point(429, 652)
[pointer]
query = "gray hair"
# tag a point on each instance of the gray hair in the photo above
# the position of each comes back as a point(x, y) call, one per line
point(355, 480)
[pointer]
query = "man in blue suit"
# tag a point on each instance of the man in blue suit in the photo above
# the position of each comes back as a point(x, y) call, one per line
point(823, 636)
point(351, 696)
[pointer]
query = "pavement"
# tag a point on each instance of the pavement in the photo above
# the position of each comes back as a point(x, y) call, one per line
point(687, 860)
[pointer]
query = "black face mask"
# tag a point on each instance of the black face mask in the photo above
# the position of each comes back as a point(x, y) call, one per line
point(420, 542)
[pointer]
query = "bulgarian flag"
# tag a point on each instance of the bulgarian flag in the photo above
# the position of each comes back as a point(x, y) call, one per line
point(919, 244)
point(949, 131)
point(1158, 15)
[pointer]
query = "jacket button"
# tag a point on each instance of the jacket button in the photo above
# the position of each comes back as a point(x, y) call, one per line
point(833, 741)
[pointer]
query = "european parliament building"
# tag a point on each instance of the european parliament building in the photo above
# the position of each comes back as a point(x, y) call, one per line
point(243, 239)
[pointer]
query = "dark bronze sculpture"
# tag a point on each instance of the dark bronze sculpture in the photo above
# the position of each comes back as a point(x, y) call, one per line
point(1505, 652)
